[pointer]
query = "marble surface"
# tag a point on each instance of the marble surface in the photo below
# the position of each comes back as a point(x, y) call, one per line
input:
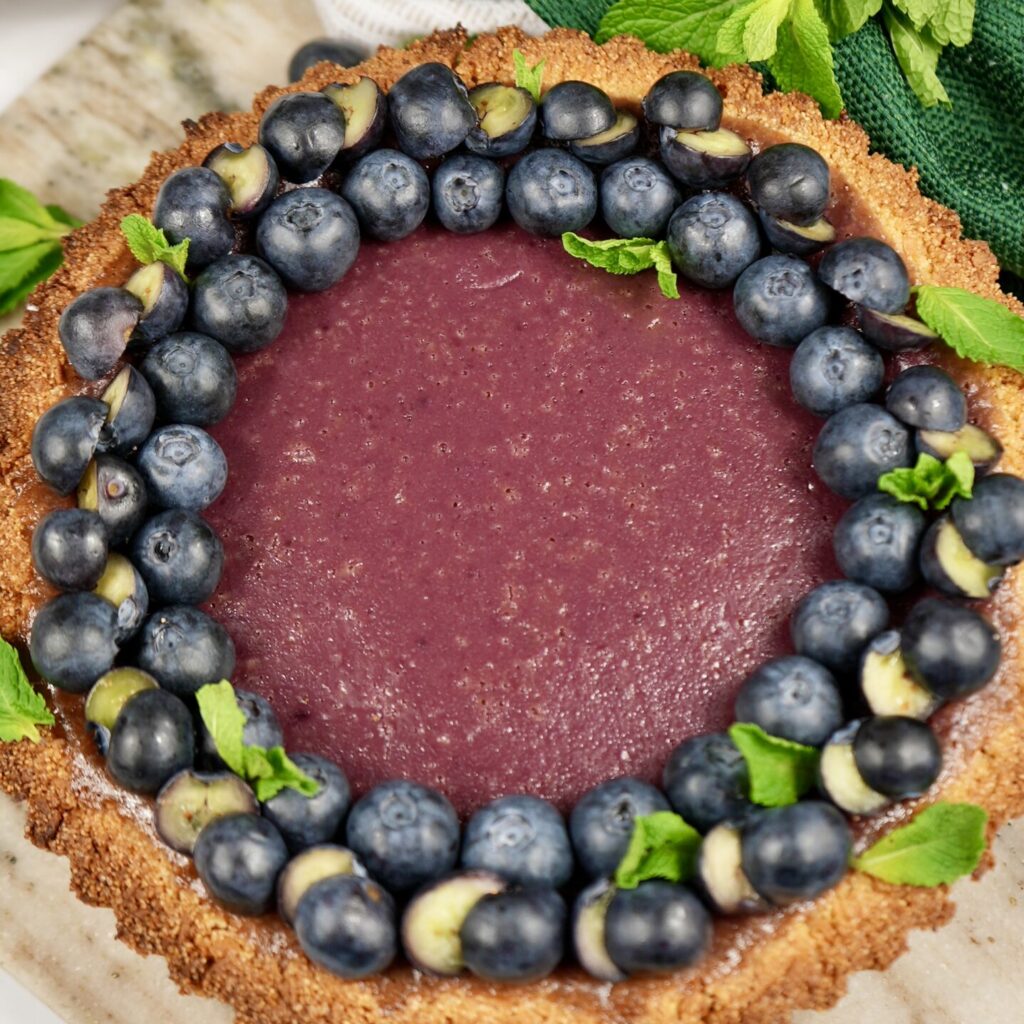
point(89, 124)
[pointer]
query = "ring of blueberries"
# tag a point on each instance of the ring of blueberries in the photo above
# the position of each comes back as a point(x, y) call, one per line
point(136, 557)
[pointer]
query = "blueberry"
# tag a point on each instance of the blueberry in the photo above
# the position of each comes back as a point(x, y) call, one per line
point(856, 446)
point(897, 756)
point(886, 683)
point(637, 198)
point(190, 800)
point(613, 144)
point(72, 642)
point(346, 924)
point(720, 877)
point(365, 110)
point(521, 838)
point(239, 301)
point(316, 50)
point(550, 192)
point(792, 697)
point(164, 297)
point(239, 857)
point(405, 834)
point(69, 548)
point(179, 556)
point(305, 821)
point(876, 542)
point(390, 194)
point(590, 913)
point(108, 696)
point(310, 237)
point(991, 522)
point(601, 823)
point(430, 111)
point(507, 117)
point(262, 729)
point(928, 398)
point(114, 489)
point(304, 132)
point(125, 589)
point(950, 649)
point(895, 332)
point(193, 203)
point(841, 780)
point(704, 159)
point(192, 378)
point(834, 367)
point(307, 868)
point(977, 444)
point(706, 781)
point(686, 100)
point(152, 739)
point(250, 174)
point(184, 649)
point(713, 238)
point(468, 193)
point(779, 301)
point(64, 439)
point(131, 410)
point(95, 327)
point(575, 110)
point(948, 565)
point(183, 467)
point(835, 621)
point(790, 181)
point(796, 852)
point(868, 272)
point(514, 936)
point(657, 926)
point(798, 239)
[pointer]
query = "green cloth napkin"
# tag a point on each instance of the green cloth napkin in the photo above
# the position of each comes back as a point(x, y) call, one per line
point(970, 158)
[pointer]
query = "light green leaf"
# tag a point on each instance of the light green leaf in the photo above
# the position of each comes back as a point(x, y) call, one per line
point(43, 267)
point(148, 243)
point(931, 483)
point(19, 204)
point(918, 56)
point(844, 17)
point(779, 770)
point(665, 25)
point(17, 234)
point(918, 12)
point(668, 281)
point(21, 707)
point(273, 770)
point(750, 33)
point(803, 60)
point(528, 77)
point(626, 256)
point(952, 22)
point(662, 845)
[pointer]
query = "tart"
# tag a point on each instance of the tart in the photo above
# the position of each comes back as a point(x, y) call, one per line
point(511, 612)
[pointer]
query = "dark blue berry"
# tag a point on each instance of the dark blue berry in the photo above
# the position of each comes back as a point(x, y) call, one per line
point(790, 181)
point(304, 132)
point(64, 439)
point(95, 327)
point(190, 800)
point(928, 398)
point(575, 110)
point(685, 100)
point(183, 467)
point(179, 556)
point(250, 174)
point(69, 548)
point(876, 542)
point(894, 332)
point(868, 272)
point(991, 522)
point(779, 301)
point(706, 781)
point(316, 50)
point(365, 109)
point(550, 191)
point(132, 410)
point(704, 159)
point(948, 565)
point(72, 642)
point(305, 821)
point(857, 445)
point(184, 649)
point(193, 203)
point(262, 729)
point(124, 588)
point(589, 914)
point(608, 146)
point(239, 301)
point(637, 198)
point(798, 239)
point(977, 444)
point(835, 621)
point(389, 192)
point(834, 367)
point(152, 740)
point(116, 490)
point(192, 378)
point(507, 116)
point(430, 111)
point(468, 193)
point(713, 238)
point(164, 297)
point(897, 756)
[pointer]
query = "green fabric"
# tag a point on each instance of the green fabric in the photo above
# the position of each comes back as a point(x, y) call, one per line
point(970, 158)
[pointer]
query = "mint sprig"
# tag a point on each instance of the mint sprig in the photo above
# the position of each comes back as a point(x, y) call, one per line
point(780, 771)
point(148, 243)
point(626, 256)
point(21, 707)
point(662, 845)
point(528, 77)
point(268, 770)
point(941, 844)
point(931, 483)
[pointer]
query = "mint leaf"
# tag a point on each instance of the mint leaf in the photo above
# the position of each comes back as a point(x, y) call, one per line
point(17, 234)
point(21, 707)
point(918, 12)
point(952, 22)
point(148, 243)
point(976, 328)
point(528, 77)
point(272, 770)
point(803, 61)
point(668, 282)
point(931, 483)
point(918, 56)
point(18, 203)
point(844, 17)
point(943, 843)
point(626, 256)
point(750, 33)
point(780, 771)
point(44, 262)
point(662, 846)
point(665, 25)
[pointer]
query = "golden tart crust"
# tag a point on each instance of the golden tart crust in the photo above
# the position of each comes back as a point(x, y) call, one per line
point(760, 969)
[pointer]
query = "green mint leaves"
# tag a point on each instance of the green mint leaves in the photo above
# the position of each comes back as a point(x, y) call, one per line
point(662, 846)
point(269, 771)
point(21, 707)
point(148, 244)
point(780, 771)
point(931, 483)
point(941, 844)
point(626, 256)
point(30, 249)
point(527, 77)
point(802, 61)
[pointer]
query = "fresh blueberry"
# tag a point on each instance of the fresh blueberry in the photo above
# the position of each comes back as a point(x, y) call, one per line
point(876, 542)
point(841, 780)
point(250, 174)
point(886, 683)
point(308, 867)
point(977, 444)
point(868, 272)
point(514, 936)
point(304, 132)
point(164, 297)
point(108, 696)
point(790, 181)
point(430, 111)
point(152, 739)
point(64, 439)
point(657, 926)
point(713, 238)
point(857, 445)
point(95, 327)
point(69, 548)
point(796, 852)
point(117, 492)
point(191, 800)
point(239, 857)
point(550, 192)
point(192, 378)
point(179, 556)
point(183, 467)
point(575, 110)
point(305, 821)
point(948, 565)
point(468, 193)
point(316, 50)
point(950, 649)
point(507, 116)
point(262, 729)
point(991, 522)
point(405, 834)
point(184, 649)
point(72, 642)
point(239, 301)
point(798, 239)
point(897, 756)
point(835, 621)
point(704, 159)
point(123, 586)
point(706, 781)
point(589, 915)
point(894, 332)
point(608, 146)
point(779, 301)
point(685, 100)
point(719, 871)
point(792, 697)
point(834, 367)
point(193, 203)
point(346, 924)
point(131, 410)
point(390, 194)
point(365, 109)
point(637, 198)
point(601, 823)
point(521, 838)
point(928, 398)
point(310, 237)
